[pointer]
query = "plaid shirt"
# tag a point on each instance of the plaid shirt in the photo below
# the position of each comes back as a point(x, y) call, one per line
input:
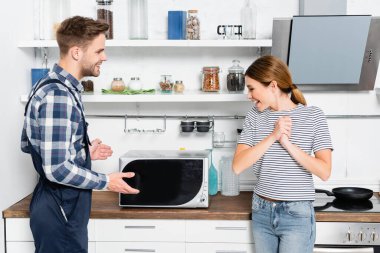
point(54, 127)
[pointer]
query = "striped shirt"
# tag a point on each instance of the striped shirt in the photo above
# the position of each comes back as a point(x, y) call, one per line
point(54, 126)
point(279, 175)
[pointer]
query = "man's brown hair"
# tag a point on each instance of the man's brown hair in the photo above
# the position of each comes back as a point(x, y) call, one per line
point(78, 31)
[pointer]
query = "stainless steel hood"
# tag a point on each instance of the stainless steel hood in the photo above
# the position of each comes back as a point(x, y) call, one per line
point(329, 53)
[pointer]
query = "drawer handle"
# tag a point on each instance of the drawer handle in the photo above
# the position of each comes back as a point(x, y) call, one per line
point(140, 227)
point(139, 250)
point(230, 228)
point(230, 251)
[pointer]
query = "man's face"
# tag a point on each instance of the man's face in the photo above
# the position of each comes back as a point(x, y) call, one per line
point(93, 56)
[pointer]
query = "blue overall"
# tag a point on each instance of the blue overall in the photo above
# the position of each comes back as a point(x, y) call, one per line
point(59, 214)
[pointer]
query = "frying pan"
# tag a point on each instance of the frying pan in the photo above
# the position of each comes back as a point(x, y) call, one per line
point(348, 193)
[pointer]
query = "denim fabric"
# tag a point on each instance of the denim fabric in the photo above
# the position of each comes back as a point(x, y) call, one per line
point(283, 227)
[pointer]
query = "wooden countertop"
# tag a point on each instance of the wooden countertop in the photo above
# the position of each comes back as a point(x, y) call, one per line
point(105, 206)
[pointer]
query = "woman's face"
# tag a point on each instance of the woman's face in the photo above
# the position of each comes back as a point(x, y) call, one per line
point(258, 93)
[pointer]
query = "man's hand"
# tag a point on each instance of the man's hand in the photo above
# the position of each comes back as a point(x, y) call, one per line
point(99, 151)
point(117, 184)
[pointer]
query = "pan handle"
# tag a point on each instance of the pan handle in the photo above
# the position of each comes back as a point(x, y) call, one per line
point(328, 193)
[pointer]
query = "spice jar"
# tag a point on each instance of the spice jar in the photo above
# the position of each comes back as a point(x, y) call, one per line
point(105, 14)
point(118, 84)
point(179, 87)
point(210, 79)
point(192, 25)
point(135, 84)
point(235, 78)
point(166, 84)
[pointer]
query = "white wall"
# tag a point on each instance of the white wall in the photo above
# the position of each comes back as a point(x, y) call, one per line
point(356, 142)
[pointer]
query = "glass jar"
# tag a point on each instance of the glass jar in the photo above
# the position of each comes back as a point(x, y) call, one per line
point(105, 14)
point(179, 87)
point(235, 78)
point(230, 181)
point(138, 19)
point(210, 79)
point(192, 25)
point(117, 84)
point(48, 15)
point(135, 84)
point(166, 84)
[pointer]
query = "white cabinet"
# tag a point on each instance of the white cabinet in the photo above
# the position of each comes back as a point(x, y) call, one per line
point(148, 235)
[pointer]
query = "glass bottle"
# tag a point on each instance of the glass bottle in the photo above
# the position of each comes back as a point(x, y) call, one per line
point(135, 84)
point(117, 84)
point(248, 20)
point(179, 87)
point(105, 14)
point(235, 78)
point(210, 79)
point(166, 84)
point(212, 178)
point(138, 19)
point(192, 25)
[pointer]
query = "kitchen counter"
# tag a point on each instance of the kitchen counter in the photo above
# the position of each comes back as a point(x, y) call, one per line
point(105, 206)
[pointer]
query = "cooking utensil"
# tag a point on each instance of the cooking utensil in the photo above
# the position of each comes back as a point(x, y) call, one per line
point(348, 193)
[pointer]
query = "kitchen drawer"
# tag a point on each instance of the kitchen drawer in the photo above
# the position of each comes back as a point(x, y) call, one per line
point(219, 248)
point(18, 229)
point(28, 247)
point(133, 247)
point(140, 230)
point(219, 231)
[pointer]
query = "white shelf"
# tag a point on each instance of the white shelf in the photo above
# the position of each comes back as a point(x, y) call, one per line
point(159, 43)
point(190, 96)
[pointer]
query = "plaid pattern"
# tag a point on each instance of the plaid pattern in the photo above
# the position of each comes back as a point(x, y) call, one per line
point(54, 127)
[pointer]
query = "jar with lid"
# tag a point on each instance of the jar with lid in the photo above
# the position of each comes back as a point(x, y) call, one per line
point(138, 19)
point(235, 78)
point(117, 84)
point(192, 25)
point(166, 84)
point(135, 84)
point(210, 78)
point(179, 87)
point(105, 14)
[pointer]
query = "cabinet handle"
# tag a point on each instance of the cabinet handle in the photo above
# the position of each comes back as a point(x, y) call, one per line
point(139, 250)
point(140, 227)
point(230, 228)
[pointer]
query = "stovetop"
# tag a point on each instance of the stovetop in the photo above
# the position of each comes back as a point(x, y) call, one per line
point(324, 203)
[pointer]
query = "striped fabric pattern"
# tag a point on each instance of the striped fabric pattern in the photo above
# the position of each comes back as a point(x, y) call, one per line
point(279, 175)
point(54, 127)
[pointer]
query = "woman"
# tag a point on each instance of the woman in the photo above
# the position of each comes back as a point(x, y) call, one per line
point(279, 135)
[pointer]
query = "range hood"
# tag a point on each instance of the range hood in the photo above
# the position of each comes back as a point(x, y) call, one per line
point(336, 52)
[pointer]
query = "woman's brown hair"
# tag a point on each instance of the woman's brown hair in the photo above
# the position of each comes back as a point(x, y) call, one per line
point(78, 31)
point(269, 68)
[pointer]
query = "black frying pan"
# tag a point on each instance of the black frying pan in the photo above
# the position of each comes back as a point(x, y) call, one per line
point(348, 193)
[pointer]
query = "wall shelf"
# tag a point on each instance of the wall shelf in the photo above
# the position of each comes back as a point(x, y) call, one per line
point(159, 43)
point(190, 96)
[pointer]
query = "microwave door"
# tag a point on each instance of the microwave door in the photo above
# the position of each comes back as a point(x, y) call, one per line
point(163, 182)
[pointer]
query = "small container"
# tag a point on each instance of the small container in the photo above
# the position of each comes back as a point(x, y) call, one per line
point(166, 84)
point(105, 14)
point(135, 84)
point(187, 126)
point(230, 181)
point(179, 87)
point(218, 139)
point(235, 78)
point(138, 19)
point(192, 25)
point(118, 84)
point(210, 78)
point(88, 85)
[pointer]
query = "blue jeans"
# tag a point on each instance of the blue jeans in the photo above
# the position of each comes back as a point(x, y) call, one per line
point(283, 227)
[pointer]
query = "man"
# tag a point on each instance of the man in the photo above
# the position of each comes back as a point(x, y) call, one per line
point(55, 134)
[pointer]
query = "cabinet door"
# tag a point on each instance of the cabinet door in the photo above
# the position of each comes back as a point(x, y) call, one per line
point(219, 248)
point(20, 247)
point(218, 231)
point(18, 229)
point(141, 247)
point(139, 230)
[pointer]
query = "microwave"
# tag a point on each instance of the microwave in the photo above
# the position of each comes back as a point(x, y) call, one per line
point(166, 178)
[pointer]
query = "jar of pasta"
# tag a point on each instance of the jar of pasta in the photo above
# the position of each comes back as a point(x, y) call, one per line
point(210, 78)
